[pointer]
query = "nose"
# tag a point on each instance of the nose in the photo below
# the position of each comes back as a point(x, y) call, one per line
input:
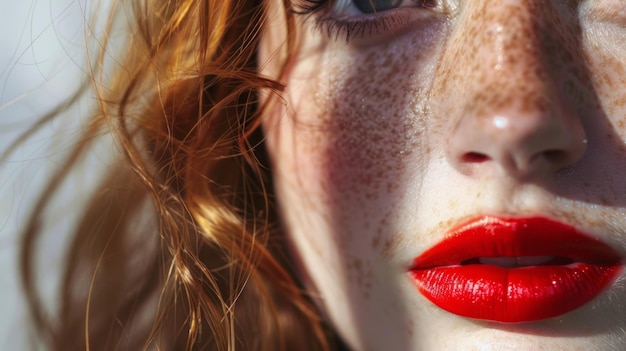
point(513, 115)
point(521, 143)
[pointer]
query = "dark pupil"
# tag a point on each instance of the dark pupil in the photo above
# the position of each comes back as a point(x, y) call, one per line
point(373, 6)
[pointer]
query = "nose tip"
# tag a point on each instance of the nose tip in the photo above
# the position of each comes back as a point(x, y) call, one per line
point(520, 144)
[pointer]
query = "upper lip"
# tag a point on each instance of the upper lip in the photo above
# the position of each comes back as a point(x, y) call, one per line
point(492, 236)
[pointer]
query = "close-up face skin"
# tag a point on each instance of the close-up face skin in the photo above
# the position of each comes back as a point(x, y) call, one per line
point(451, 174)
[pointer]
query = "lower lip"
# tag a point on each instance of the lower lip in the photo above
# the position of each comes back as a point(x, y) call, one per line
point(512, 295)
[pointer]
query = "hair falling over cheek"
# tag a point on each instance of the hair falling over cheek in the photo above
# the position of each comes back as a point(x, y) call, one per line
point(212, 272)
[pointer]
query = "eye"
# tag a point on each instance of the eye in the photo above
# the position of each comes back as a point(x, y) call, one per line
point(373, 6)
point(371, 18)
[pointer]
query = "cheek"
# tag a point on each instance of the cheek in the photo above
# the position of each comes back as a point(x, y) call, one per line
point(607, 68)
point(351, 136)
point(361, 134)
point(347, 141)
point(360, 120)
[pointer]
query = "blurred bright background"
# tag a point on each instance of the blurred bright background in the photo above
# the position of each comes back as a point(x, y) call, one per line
point(42, 60)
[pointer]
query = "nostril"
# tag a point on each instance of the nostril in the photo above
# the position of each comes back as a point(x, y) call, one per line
point(559, 158)
point(555, 156)
point(474, 157)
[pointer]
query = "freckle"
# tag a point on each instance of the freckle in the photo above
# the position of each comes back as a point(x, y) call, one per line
point(410, 327)
point(392, 244)
point(388, 245)
point(376, 241)
point(620, 102)
point(452, 204)
point(391, 186)
point(358, 265)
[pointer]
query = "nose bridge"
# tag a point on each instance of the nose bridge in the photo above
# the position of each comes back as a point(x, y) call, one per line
point(502, 68)
point(511, 69)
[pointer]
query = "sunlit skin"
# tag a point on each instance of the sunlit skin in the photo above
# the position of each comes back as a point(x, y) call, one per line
point(384, 142)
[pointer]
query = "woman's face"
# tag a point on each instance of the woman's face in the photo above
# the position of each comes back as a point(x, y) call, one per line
point(452, 173)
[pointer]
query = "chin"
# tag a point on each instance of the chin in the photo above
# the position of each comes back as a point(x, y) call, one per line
point(498, 339)
point(591, 328)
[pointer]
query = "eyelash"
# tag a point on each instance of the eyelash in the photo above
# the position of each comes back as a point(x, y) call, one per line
point(357, 28)
point(309, 7)
point(349, 27)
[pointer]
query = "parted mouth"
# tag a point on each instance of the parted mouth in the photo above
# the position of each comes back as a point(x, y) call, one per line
point(520, 261)
point(514, 270)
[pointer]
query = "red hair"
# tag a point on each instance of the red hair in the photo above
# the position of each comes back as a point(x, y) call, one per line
point(212, 272)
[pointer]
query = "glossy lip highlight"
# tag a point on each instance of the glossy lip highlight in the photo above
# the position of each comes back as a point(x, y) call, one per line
point(572, 268)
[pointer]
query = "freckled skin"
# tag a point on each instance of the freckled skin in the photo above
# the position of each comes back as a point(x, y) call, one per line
point(370, 156)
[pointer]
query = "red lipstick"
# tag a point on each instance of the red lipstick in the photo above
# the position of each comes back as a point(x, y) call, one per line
point(513, 270)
